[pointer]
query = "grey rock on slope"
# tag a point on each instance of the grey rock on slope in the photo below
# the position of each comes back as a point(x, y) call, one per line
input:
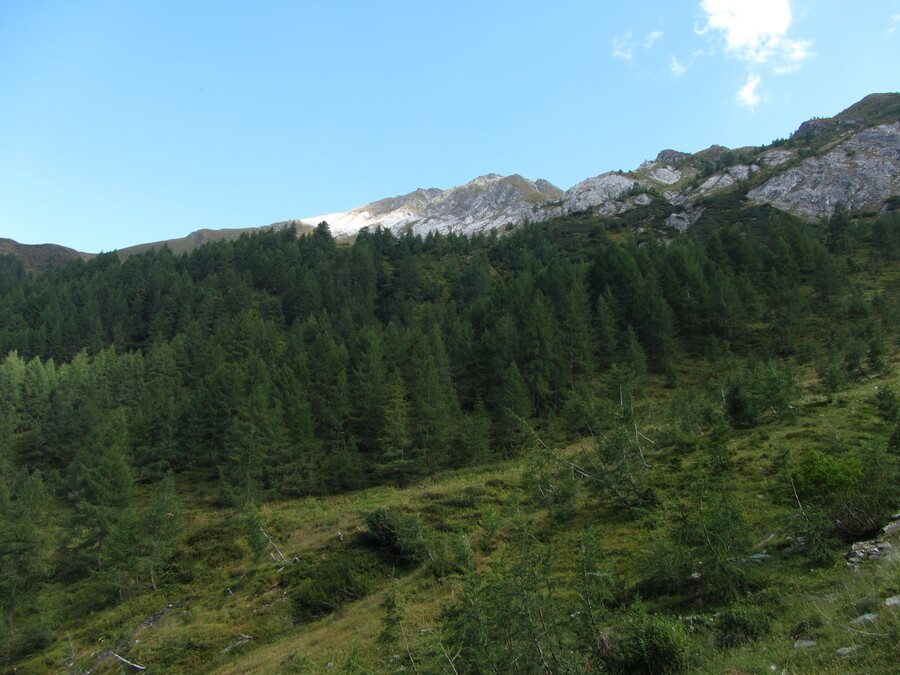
point(862, 172)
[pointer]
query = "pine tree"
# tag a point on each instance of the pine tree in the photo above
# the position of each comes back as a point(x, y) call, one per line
point(160, 526)
point(396, 460)
point(103, 486)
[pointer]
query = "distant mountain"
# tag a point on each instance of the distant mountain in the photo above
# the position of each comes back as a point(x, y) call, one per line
point(852, 158)
point(486, 203)
point(40, 257)
point(200, 237)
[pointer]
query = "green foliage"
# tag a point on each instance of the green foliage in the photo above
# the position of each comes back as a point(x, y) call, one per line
point(513, 616)
point(317, 588)
point(850, 496)
point(401, 537)
point(740, 623)
point(888, 404)
point(702, 551)
point(647, 643)
point(819, 477)
point(764, 389)
point(292, 367)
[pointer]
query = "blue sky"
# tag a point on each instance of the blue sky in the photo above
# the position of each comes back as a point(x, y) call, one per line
point(128, 122)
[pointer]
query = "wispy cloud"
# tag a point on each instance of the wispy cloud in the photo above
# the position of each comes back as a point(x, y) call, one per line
point(651, 38)
point(895, 20)
point(749, 94)
point(757, 33)
point(625, 45)
point(676, 67)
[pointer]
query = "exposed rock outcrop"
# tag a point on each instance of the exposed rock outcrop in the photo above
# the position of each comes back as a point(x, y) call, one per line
point(862, 172)
point(486, 203)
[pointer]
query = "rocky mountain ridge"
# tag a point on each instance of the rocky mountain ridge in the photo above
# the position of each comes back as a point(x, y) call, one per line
point(485, 203)
point(852, 158)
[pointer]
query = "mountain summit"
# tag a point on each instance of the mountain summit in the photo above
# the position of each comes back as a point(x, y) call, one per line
point(485, 203)
point(852, 159)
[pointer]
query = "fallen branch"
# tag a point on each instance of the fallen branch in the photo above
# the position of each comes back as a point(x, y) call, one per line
point(136, 666)
point(408, 651)
point(272, 544)
point(243, 639)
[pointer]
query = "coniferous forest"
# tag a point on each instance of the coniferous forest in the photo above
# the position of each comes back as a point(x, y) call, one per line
point(588, 445)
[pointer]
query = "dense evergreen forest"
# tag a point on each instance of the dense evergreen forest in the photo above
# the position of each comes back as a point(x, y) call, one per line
point(276, 366)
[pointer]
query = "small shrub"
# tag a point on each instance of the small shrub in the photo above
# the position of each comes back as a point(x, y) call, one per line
point(888, 404)
point(817, 476)
point(650, 644)
point(400, 536)
point(327, 585)
point(449, 554)
point(741, 623)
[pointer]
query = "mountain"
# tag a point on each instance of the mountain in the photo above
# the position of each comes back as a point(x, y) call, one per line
point(486, 203)
point(39, 257)
point(852, 158)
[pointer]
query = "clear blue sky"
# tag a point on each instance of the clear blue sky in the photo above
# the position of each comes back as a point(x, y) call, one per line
point(128, 121)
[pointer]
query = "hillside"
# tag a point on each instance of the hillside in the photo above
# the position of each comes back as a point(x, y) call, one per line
point(595, 443)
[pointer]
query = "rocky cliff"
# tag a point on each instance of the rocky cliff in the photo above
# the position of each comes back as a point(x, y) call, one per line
point(486, 203)
point(852, 158)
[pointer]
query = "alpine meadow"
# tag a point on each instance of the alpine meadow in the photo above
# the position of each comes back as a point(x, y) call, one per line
point(650, 424)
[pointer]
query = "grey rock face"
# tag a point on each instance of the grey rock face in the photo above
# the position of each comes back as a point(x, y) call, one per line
point(776, 156)
point(860, 168)
point(486, 203)
point(861, 172)
point(596, 191)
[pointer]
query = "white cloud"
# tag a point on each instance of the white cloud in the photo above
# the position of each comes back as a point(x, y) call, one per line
point(623, 46)
point(894, 21)
point(748, 96)
point(651, 39)
point(756, 30)
point(677, 67)
point(757, 33)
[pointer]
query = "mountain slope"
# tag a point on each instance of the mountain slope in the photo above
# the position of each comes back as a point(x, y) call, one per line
point(486, 203)
point(852, 158)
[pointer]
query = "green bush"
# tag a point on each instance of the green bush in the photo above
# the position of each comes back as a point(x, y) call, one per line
point(649, 643)
point(324, 586)
point(818, 476)
point(888, 404)
point(852, 495)
point(741, 623)
point(399, 536)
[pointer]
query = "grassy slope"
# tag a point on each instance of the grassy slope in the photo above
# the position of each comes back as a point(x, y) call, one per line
point(221, 592)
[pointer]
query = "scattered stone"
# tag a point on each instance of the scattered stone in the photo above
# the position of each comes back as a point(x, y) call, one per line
point(803, 644)
point(847, 651)
point(893, 601)
point(758, 557)
point(865, 617)
point(873, 549)
point(892, 527)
